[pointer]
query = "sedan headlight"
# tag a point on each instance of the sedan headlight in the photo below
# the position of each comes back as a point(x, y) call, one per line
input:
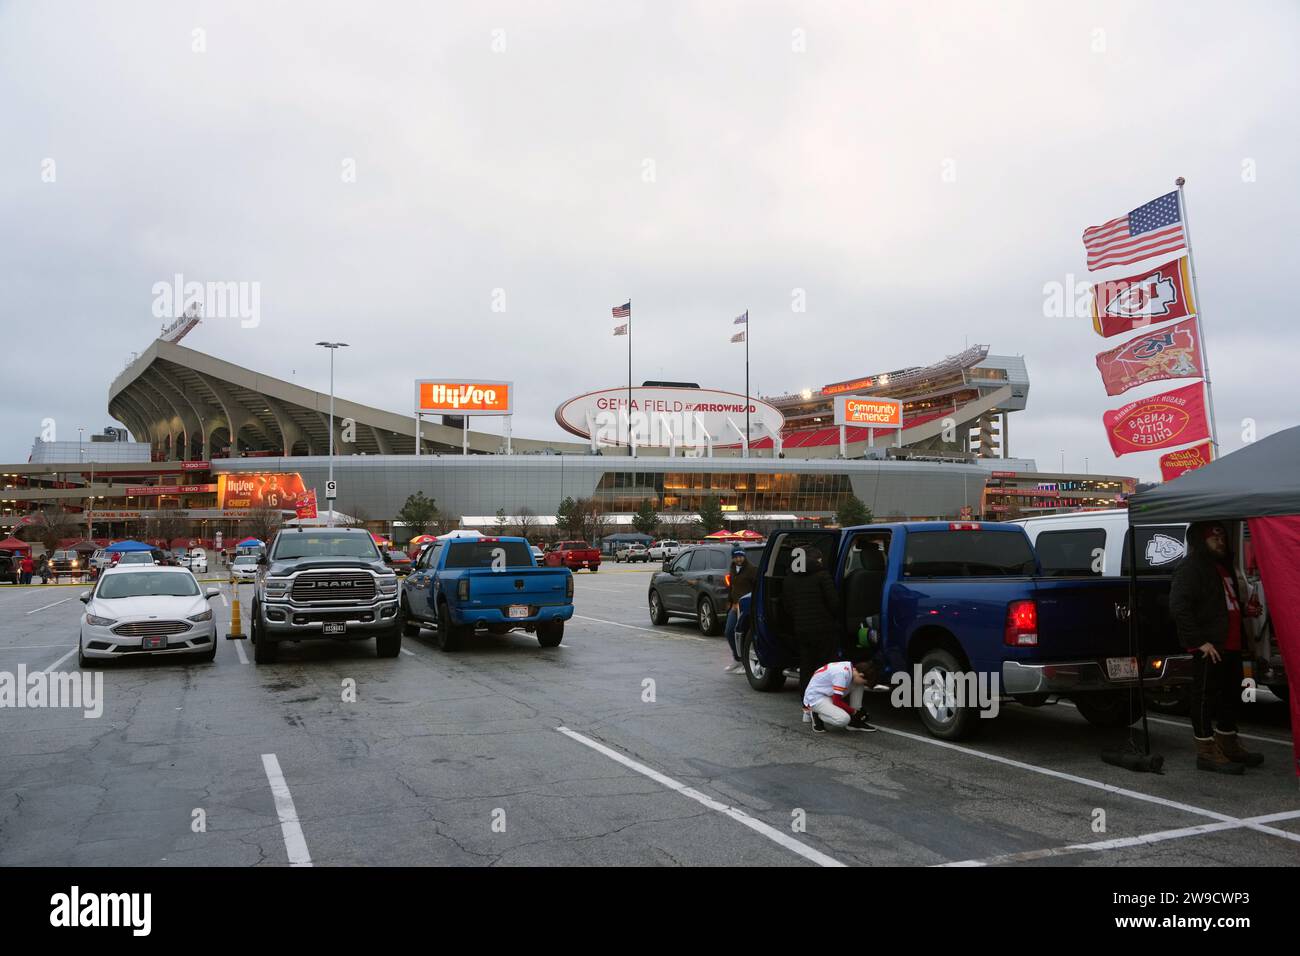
point(100, 621)
point(201, 616)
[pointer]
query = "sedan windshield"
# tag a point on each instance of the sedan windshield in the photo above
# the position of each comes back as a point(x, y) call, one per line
point(146, 584)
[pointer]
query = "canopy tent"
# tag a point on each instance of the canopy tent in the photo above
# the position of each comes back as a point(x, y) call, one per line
point(1258, 484)
point(382, 540)
point(127, 546)
point(460, 533)
point(13, 544)
point(251, 543)
point(82, 547)
point(420, 540)
point(628, 537)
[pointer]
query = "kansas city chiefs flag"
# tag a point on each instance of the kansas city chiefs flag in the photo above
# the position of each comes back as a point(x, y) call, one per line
point(1159, 295)
point(1161, 421)
point(1184, 460)
point(1171, 352)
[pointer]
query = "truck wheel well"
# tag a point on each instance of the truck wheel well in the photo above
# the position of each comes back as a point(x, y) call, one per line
point(928, 638)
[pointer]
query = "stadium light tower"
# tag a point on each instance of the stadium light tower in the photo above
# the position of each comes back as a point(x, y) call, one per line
point(333, 347)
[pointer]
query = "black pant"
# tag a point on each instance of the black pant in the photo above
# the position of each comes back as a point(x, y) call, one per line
point(815, 651)
point(1216, 693)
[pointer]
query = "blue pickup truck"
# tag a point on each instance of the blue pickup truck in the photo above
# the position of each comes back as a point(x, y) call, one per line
point(945, 600)
point(461, 585)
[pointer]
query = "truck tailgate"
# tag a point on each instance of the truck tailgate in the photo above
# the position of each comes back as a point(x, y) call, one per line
point(1084, 618)
point(537, 585)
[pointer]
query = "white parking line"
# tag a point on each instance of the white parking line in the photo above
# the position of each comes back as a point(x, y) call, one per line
point(648, 630)
point(408, 653)
point(61, 660)
point(1187, 725)
point(26, 647)
point(295, 844)
point(1095, 784)
point(1143, 839)
point(239, 649)
point(48, 606)
point(740, 816)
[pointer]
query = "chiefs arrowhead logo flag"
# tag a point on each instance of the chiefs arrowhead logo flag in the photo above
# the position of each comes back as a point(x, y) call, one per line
point(1159, 295)
point(305, 504)
point(1161, 421)
point(1185, 459)
point(1172, 352)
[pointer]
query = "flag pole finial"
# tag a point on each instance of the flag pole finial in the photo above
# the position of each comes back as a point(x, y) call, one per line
point(1179, 182)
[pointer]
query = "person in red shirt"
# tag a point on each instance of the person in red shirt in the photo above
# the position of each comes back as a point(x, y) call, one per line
point(1207, 611)
point(27, 566)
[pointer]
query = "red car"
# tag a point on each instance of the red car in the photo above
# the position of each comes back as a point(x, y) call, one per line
point(574, 555)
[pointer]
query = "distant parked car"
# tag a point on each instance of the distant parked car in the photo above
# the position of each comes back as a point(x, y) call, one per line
point(696, 584)
point(124, 559)
point(66, 562)
point(573, 555)
point(399, 561)
point(244, 567)
point(9, 566)
point(664, 551)
point(632, 552)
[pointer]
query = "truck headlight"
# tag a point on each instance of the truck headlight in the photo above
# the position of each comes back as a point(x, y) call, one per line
point(100, 621)
point(388, 585)
point(202, 616)
point(276, 588)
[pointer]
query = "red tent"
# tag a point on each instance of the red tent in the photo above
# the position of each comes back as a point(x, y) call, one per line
point(13, 544)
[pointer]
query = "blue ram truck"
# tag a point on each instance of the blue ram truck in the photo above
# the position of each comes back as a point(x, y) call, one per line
point(945, 598)
point(460, 585)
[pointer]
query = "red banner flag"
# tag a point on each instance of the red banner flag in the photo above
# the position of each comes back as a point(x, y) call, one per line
point(1159, 295)
point(1161, 421)
point(1185, 459)
point(305, 505)
point(1171, 352)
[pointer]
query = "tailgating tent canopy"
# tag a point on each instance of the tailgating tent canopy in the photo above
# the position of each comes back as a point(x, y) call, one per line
point(83, 547)
point(628, 537)
point(13, 544)
point(1261, 480)
point(125, 546)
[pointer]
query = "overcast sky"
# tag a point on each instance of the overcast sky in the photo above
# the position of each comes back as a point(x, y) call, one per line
point(920, 171)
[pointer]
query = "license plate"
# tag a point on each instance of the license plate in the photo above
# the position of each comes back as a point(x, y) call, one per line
point(154, 643)
point(1122, 668)
point(518, 610)
point(335, 627)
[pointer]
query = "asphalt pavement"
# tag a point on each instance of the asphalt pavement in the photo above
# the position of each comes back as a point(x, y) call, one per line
point(625, 745)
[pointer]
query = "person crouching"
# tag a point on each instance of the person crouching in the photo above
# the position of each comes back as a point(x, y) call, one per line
point(834, 696)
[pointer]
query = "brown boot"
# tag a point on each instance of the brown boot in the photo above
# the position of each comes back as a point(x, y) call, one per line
point(1231, 746)
point(1210, 757)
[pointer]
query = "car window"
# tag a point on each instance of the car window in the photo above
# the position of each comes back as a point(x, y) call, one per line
point(325, 544)
point(1073, 553)
point(718, 560)
point(682, 562)
point(146, 584)
point(246, 559)
point(1160, 549)
point(948, 554)
point(480, 554)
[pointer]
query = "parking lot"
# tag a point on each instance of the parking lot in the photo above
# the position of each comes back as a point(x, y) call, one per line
point(626, 745)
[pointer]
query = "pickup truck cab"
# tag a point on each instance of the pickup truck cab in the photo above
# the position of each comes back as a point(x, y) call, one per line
point(460, 585)
point(665, 550)
point(574, 555)
point(330, 583)
point(943, 600)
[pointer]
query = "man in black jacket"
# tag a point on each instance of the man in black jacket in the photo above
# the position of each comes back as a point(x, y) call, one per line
point(813, 605)
point(1207, 611)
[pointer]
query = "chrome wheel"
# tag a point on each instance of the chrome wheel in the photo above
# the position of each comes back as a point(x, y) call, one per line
point(937, 695)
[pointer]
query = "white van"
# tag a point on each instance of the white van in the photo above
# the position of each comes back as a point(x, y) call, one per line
point(1096, 543)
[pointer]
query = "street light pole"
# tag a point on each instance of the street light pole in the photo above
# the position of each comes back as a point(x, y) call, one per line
point(332, 346)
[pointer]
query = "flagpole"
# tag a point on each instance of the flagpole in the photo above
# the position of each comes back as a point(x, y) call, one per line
point(1200, 324)
point(631, 448)
point(747, 432)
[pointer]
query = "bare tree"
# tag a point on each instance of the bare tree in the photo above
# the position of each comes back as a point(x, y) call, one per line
point(167, 525)
point(526, 523)
point(262, 522)
point(51, 526)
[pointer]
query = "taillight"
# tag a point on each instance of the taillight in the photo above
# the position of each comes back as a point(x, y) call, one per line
point(1022, 624)
point(727, 580)
point(568, 586)
point(462, 589)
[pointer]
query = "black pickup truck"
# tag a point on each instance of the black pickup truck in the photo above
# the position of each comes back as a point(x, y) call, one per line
point(324, 583)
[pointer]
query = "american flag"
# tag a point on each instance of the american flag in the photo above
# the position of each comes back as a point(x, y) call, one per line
point(623, 311)
point(742, 319)
point(620, 329)
point(1151, 230)
point(738, 337)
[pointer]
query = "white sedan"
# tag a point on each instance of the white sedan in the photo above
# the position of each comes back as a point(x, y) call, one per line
point(244, 568)
point(146, 610)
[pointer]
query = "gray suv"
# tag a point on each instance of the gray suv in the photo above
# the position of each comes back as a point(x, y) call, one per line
point(695, 584)
point(324, 583)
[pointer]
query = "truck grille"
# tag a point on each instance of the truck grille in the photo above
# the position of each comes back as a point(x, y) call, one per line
point(151, 628)
point(334, 586)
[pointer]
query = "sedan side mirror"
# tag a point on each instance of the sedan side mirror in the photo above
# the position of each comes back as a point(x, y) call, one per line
point(85, 597)
point(210, 593)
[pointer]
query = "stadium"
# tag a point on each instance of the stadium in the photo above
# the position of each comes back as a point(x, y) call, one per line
point(202, 425)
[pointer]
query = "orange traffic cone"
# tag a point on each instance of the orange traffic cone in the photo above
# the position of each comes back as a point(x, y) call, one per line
point(236, 632)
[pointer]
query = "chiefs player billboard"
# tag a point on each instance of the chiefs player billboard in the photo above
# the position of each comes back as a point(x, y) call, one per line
point(240, 492)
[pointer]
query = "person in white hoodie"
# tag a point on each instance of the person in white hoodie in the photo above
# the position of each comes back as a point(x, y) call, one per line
point(834, 696)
